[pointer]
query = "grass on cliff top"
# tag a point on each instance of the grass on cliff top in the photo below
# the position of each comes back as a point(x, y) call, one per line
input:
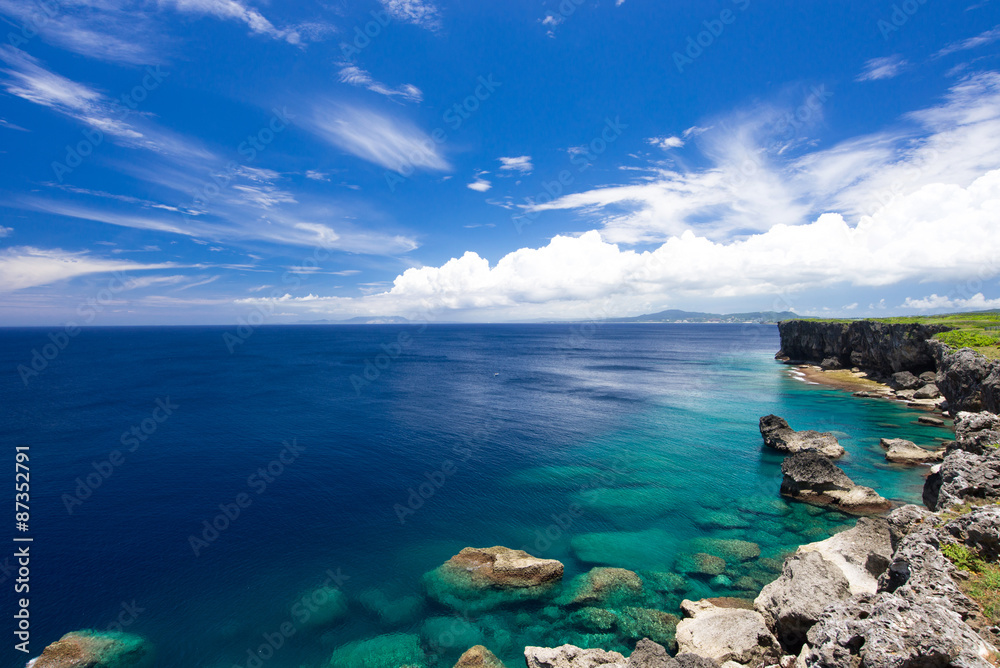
point(983, 585)
point(979, 330)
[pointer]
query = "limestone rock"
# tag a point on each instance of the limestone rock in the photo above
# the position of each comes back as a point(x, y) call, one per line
point(977, 432)
point(700, 563)
point(569, 656)
point(901, 451)
point(599, 585)
point(928, 391)
point(904, 380)
point(930, 420)
point(504, 568)
point(862, 553)
point(813, 478)
point(393, 649)
point(889, 631)
point(792, 603)
point(962, 375)
point(479, 657)
point(95, 649)
point(905, 520)
point(978, 529)
point(778, 435)
point(961, 477)
point(726, 634)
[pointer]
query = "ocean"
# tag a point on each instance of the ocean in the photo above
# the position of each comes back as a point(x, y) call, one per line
point(276, 497)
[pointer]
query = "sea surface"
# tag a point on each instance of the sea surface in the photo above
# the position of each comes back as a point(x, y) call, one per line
point(340, 464)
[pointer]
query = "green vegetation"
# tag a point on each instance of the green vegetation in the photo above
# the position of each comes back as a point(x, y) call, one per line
point(983, 585)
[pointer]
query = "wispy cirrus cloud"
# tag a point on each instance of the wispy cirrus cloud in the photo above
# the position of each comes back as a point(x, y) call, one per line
point(982, 39)
point(355, 76)
point(883, 68)
point(754, 182)
point(388, 142)
point(26, 266)
point(238, 11)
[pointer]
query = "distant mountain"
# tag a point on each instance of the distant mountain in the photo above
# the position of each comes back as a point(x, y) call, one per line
point(673, 315)
point(363, 320)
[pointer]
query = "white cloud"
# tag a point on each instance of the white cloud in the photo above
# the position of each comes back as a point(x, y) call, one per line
point(938, 233)
point(390, 143)
point(25, 266)
point(317, 176)
point(233, 10)
point(5, 231)
point(975, 302)
point(987, 37)
point(480, 185)
point(521, 163)
point(423, 13)
point(882, 68)
point(665, 142)
point(355, 76)
point(755, 181)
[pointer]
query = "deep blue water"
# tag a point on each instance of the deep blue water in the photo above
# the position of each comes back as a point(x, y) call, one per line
point(596, 445)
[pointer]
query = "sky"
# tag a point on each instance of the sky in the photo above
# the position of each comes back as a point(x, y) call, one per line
point(241, 161)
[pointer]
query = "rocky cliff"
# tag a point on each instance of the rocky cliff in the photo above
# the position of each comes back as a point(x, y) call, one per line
point(873, 346)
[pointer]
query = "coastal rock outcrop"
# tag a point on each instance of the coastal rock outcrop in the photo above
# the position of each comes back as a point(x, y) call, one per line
point(602, 585)
point(95, 649)
point(967, 379)
point(726, 634)
point(862, 553)
point(570, 656)
point(876, 346)
point(780, 436)
point(813, 478)
point(794, 602)
point(479, 657)
point(977, 433)
point(961, 477)
point(901, 451)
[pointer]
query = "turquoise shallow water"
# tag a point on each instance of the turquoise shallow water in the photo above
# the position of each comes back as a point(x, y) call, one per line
point(633, 446)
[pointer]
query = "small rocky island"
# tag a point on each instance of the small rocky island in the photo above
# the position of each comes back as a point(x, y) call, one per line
point(904, 587)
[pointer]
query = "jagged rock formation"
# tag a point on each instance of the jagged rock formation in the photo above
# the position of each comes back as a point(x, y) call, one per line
point(778, 435)
point(969, 381)
point(726, 634)
point(885, 348)
point(977, 432)
point(963, 477)
point(813, 478)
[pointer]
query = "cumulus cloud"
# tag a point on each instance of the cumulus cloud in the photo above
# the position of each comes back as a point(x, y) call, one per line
point(480, 184)
point(761, 172)
point(882, 68)
point(940, 232)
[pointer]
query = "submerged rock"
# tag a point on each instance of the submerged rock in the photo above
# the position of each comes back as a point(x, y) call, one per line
point(658, 626)
point(95, 649)
point(726, 634)
point(901, 451)
point(482, 578)
point(394, 650)
point(479, 657)
point(700, 563)
point(779, 436)
point(601, 585)
point(813, 478)
point(320, 607)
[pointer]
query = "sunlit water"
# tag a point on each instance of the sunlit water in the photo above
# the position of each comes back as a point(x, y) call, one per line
point(610, 445)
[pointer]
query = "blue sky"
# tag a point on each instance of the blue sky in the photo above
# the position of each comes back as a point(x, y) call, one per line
point(199, 161)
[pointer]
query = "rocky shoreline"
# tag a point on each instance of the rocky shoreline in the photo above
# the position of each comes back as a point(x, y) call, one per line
point(893, 591)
